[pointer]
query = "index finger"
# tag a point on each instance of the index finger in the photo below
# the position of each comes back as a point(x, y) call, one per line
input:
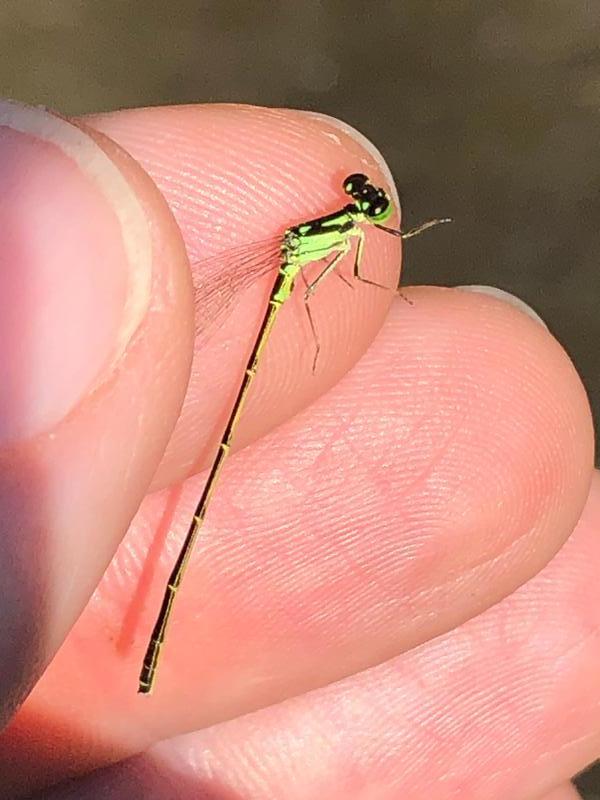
point(234, 175)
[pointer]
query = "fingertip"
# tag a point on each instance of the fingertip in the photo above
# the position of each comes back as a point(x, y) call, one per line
point(235, 175)
point(524, 394)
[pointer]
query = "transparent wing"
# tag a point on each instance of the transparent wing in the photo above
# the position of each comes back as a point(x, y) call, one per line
point(220, 277)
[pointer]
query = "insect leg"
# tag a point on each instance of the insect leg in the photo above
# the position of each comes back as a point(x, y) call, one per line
point(358, 260)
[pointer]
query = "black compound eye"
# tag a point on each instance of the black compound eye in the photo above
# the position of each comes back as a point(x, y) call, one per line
point(355, 184)
point(380, 207)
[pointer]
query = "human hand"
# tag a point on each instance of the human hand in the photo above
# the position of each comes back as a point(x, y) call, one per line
point(431, 481)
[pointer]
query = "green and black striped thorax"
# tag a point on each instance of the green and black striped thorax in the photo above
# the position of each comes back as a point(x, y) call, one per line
point(316, 238)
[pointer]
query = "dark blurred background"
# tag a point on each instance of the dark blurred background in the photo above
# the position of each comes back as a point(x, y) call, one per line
point(486, 111)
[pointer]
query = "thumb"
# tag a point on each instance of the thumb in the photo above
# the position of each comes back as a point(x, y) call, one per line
point(95, 349)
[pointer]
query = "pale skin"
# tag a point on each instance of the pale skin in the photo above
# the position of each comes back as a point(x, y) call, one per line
point(437, 479)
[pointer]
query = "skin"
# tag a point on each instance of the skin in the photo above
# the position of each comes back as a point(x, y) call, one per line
point(392, 546)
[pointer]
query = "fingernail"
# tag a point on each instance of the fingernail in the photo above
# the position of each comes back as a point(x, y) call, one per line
point(500, 294)
point(366, 144)
point(75, 268)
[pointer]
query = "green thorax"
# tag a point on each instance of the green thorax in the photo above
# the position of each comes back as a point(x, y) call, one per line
point(330, 234)
point(316, 239)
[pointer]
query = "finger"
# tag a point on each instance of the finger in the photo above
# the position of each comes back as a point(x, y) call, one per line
point(507, 705)
point(422, 489)
point(234, 175)
point(96, 319)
